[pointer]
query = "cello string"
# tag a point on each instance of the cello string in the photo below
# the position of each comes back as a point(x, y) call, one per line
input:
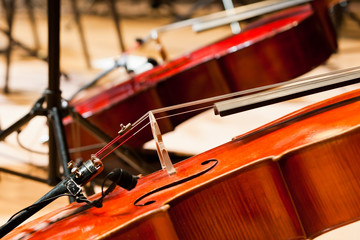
point(277, 87)
point(97, 154)
point(184, 112)
point(138, 122)
point(124, 141)
point(285, 85)
point(118, 137)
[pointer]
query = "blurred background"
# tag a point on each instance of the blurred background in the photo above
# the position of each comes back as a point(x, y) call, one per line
point(93, 35)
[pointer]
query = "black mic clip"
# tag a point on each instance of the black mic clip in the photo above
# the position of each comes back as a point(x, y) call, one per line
point(119, 177)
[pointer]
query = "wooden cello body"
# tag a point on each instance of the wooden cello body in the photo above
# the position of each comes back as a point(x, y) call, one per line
point(295, 178)
point(273, 49)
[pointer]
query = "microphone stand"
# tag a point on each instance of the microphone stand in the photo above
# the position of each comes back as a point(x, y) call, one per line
point(55, 110)
point(58, 149)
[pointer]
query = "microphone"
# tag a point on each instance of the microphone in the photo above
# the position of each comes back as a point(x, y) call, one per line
point(118, 177)
point(152, 61)
point(123, 179)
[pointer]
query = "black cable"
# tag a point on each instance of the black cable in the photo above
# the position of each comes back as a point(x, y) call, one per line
point(71, 186)
point(26, 148)
point(118, 177)
point(38, 204)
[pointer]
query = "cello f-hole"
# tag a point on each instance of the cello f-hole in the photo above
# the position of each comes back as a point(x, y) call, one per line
point(214, 161)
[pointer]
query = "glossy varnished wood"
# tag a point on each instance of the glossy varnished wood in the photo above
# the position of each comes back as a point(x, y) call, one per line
point(239, 206)
point(263, 186)
point(324, 181)
point(275, 49)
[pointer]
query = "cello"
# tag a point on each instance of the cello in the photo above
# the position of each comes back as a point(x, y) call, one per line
point(294, 178)
point(283, 45)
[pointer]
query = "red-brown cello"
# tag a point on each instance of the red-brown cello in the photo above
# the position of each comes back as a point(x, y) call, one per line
point(276, 48)
point(294, 178)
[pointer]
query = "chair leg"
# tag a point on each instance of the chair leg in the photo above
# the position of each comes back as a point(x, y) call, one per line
point(353, 16)
point(116, 18)
point(30, 10)
point(9, 7)
point(81, 32)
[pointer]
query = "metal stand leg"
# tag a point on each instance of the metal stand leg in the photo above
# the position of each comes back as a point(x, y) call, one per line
point(81, 32)
point(353, 16)
point(9, 7)
point(30, 10)
point(115, 15)
point(53, 98)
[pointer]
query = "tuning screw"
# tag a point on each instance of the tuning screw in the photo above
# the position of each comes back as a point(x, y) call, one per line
point(76, 172)
point(70, 164)
point(124, 129)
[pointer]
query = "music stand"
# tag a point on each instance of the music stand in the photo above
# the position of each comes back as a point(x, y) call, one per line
point(58, 150)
